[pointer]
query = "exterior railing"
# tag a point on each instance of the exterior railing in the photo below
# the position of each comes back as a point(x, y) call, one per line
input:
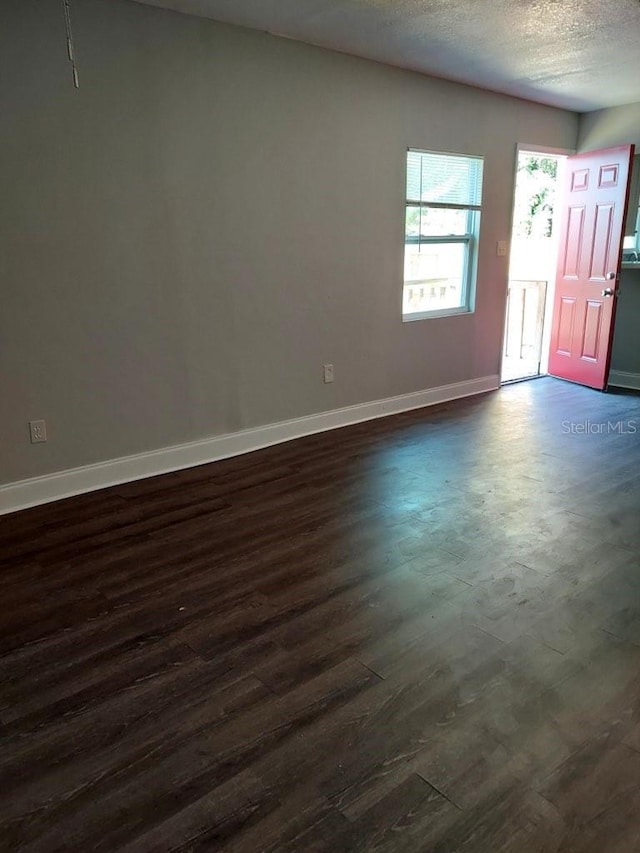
point(523, 328)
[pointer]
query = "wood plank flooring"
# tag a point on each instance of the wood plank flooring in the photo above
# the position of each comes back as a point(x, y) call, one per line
point(416, 634)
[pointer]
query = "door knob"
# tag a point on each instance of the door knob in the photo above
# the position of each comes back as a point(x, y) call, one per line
point(608, 291)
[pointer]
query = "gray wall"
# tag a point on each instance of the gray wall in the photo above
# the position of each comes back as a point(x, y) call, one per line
point(214, 214)
point(613, 126)
point(619, 126)
point(625, 354)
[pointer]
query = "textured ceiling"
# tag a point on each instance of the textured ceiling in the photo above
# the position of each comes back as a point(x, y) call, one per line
point(578, 54)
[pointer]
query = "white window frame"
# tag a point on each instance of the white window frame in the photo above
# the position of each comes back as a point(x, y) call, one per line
point(470, 239)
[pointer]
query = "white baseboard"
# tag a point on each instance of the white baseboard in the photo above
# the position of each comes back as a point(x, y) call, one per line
point(622, 379)
point(75, 481)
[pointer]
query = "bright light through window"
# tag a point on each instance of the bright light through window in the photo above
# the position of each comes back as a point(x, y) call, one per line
point(442, 226)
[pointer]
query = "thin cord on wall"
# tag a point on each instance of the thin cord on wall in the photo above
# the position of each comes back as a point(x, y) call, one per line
point(70, 48)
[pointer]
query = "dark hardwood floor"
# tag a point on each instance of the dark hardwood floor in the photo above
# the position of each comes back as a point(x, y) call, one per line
point(416, 634)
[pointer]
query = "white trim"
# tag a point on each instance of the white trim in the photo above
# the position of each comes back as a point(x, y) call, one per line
point(622, 379)
point(544, 149)
point(435, 313)
point(75, 481)
point(561, 154)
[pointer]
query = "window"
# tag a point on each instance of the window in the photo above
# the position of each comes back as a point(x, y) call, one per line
point(442, 226)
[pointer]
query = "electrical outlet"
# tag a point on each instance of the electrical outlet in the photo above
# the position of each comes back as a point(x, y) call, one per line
point(501, 248)
point(328, 372)
point(37, 432)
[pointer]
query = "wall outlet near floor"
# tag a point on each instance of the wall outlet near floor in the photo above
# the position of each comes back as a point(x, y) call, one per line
point(327, 371)
point(37, 432)
point(502, 247)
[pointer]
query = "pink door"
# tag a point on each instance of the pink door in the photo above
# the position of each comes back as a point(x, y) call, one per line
point(594, 204)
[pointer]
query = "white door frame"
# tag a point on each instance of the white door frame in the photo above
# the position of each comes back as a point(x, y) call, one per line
point(522, 148)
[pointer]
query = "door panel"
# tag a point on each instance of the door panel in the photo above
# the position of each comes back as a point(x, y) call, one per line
point(579, 180)
point(566, 324)
point(601, 242)
point(592, 325)
point(573, 242)
point(609, 176)
point(592, 222)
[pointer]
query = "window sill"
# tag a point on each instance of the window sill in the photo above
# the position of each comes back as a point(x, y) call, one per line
point(433, 315)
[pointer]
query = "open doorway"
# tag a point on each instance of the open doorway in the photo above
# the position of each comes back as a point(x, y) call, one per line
point(532, 264)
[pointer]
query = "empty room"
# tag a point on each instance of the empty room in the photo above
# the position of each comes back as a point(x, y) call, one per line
point(320, 426)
